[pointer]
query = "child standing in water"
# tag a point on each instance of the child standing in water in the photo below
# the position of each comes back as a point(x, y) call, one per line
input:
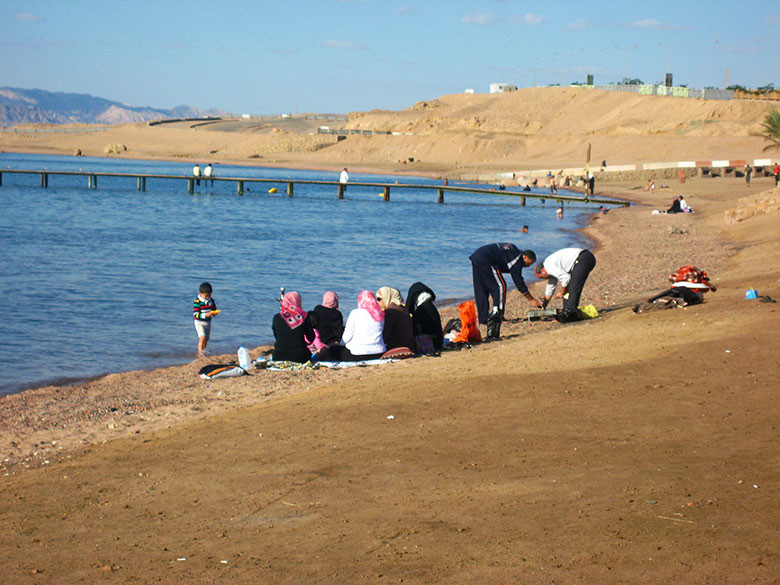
point(203, 309)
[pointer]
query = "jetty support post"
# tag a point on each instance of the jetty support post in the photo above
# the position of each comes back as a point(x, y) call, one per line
point(441, 195)
point(386, 195)
point(190, 186)
point(241, 188)
point(290, 186)
point(142, 183)
point(44, 180)
point(93, 181)
point(341, 190)
point(522, 201)
point(1, 179)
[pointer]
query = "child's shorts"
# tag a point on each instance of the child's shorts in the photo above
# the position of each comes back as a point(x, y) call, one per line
point(203, 328)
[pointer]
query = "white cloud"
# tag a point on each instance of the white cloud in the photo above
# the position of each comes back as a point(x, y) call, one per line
point(532, 19)
point(482, 18)
point(349, 45)
point(646, 23)
point(581, 24)
point(29, 17)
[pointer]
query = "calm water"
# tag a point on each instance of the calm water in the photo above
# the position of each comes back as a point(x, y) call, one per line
point(99, 281)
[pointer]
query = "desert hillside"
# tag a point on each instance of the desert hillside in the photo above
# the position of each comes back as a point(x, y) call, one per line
point(530, 128)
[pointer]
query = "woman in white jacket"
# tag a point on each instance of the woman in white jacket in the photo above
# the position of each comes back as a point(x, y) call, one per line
point(362, 337)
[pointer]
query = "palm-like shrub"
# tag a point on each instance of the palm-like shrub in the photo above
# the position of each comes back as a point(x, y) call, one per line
point(771, 132)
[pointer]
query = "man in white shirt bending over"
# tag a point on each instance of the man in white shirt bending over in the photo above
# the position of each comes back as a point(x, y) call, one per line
point(569, 267)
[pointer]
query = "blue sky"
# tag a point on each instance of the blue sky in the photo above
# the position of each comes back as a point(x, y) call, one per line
point(262, 57)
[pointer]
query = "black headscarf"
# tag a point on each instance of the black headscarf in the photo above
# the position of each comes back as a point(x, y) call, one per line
point(426, 317)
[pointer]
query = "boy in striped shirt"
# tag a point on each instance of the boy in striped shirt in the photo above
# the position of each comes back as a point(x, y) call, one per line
point(203, 309)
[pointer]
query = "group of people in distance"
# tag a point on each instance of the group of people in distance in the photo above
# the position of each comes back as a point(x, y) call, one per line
point(207, 173)
point(381, 323)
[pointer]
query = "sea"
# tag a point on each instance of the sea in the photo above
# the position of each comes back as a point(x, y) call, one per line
point(102, 280)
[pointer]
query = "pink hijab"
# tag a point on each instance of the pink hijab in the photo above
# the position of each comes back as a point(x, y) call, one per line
point(330, 300)
point(291, 310)
point(367, 301)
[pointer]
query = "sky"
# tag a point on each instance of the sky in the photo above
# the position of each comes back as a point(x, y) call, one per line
point(336, 56)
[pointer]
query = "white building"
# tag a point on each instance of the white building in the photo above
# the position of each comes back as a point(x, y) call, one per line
point(501, 87)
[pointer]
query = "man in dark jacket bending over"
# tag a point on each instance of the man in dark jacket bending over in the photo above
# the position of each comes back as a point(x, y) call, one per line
point(488, 263)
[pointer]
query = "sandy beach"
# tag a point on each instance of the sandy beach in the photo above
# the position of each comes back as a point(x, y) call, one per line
point(626, 449)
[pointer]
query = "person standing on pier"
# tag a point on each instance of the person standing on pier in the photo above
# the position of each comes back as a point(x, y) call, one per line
point(344, 178)
point(208, 173)
point(196, 173)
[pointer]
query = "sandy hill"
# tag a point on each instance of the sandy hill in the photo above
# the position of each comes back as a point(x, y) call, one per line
point(530, 128)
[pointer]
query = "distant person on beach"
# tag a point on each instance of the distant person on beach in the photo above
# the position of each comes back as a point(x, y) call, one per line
point(569, 267)
point(551, 178)
point(676, 207)
point(292, 331)
point(208, 173)
point(591, 184)
point(196, 173)
point(559, 212)
point(776, 172)
point(203, 310)
point(684, 207)
point(488, 263)
point(650, 185)
point(399, 328)
point(428, 334)
point(748, 174)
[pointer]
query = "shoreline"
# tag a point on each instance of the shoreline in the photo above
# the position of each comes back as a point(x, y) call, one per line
point(307, 166)
point(574, 233)
point(185, 374)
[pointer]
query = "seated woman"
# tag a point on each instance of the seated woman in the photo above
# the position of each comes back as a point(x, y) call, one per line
point(327, 321)
point(399, 329)
point(428, 335)
point(675, 208)
point(292, 331)
point(362, 337)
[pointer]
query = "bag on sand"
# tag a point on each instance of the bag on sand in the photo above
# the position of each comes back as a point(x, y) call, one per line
point(221, 371)
point(568, 315)
point(469, 329)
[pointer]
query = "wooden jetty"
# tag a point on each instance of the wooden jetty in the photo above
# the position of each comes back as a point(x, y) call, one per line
point(242, 182)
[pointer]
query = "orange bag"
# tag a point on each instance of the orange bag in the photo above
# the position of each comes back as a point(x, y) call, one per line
point(469, 328)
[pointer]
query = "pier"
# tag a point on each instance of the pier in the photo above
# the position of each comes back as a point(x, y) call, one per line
point(242, 185)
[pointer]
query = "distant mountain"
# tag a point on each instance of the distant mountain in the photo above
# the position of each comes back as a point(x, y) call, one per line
point(37, 106)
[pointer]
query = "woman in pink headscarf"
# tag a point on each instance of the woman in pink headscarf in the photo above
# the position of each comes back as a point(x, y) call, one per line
point(292, 331)
point(362, 337)
point(327, 321)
